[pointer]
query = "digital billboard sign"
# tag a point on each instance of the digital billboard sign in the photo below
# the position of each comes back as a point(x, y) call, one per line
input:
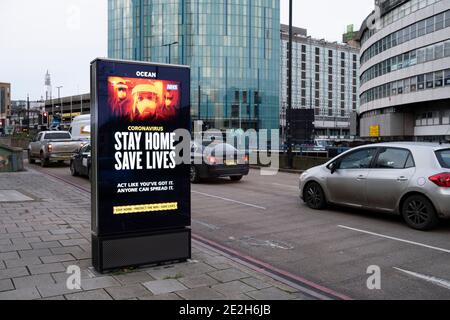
point(138, 187)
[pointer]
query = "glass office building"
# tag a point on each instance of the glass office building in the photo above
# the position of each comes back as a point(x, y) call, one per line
point(232, 46)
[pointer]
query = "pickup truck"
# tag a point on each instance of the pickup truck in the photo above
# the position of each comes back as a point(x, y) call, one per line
point(53, 146)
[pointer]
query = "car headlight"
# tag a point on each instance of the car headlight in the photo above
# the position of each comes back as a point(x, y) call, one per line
point(303, 176)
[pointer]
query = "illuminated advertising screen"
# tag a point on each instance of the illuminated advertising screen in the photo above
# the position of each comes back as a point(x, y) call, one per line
point(137, 184)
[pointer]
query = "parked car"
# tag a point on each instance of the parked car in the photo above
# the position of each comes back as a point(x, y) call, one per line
point(410, 179)
point(217, 160)
point(80, 164)
point(53, 146)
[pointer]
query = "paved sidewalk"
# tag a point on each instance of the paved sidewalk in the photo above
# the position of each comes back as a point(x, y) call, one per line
point(45, 228)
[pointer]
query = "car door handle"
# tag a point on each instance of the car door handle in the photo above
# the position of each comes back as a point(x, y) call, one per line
point(402, 179)
point(361, 177)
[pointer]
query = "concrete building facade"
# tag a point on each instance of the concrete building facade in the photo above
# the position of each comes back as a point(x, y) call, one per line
point(325, 78)
point(405, 71)
point(5, 105)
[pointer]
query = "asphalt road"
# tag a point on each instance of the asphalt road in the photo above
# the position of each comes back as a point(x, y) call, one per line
point(263, 217)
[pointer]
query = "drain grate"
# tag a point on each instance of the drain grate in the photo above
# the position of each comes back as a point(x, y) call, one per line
point(13, 196)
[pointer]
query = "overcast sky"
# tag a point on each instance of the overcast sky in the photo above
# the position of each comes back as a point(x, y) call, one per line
point(63, 36)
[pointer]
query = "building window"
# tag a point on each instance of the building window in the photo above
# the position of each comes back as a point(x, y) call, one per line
point(447, 77)
point(429, 81)
point(438, 79)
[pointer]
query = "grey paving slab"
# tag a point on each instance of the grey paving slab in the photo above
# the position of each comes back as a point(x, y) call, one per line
point(14, 247)
point(13, 273)
point(33, 281)
point(89, 295)
point(55, 290)
point(99, 283)
point(204, 293)
point(162, 297)
point(21, 294)
point(256, 283)
point(49, 237)
point(271, 294)
point(180, 270)
point(229, 275)
point(47, 268)
point(127, 292)
point(133, 278)
point(13, 196)
point(74, 242)
point(58, 258)
point(164, 286)
point(35, 253)
point(233, 288)
point(57, 298)
point(6, 285)
point(198, 281)
point(9, 256)
point(23, 262)
point(45, 245)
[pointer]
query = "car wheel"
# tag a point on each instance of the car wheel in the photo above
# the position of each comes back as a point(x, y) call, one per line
point(419, 213)
point(195, 178)
point(30, 158)
point(73, 171)
point(236, 178)
point(44, 162)
point(314, 196)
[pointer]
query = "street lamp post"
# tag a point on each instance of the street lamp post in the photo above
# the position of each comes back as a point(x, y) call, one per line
point(170, 48)
point(60, 102)
point(289, 92)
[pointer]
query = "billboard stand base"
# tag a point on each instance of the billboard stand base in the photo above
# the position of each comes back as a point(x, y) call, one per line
point(142, 249)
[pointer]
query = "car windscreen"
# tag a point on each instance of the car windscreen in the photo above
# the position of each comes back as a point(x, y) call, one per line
point(58, 136)
point(444, 158)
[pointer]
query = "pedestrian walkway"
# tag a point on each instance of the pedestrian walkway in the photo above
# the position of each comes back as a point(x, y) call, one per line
point(45, 228)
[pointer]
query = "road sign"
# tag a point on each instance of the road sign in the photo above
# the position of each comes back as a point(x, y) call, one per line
point(375, 131)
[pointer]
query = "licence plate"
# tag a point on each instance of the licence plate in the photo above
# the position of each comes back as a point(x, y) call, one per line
point(230, 162)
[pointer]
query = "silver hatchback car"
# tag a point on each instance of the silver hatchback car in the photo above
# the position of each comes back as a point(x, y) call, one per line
point(409, 179)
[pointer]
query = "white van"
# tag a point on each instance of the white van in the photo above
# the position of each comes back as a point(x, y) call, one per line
point(80, 128)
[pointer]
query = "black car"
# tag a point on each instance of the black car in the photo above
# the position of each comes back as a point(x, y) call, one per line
point(80, 164)
point(217, 160)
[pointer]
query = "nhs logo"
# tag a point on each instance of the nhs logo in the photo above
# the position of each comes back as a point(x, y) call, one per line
point(172, 87)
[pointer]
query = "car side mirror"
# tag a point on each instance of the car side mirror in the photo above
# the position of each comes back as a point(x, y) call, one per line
point(333, 167)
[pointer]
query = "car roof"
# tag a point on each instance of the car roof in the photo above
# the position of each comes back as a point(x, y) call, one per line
point(411, 145)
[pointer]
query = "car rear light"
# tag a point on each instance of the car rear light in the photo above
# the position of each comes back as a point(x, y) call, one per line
point(212, 160)
point(246, 159)
point(50, 148)
point(441, 180)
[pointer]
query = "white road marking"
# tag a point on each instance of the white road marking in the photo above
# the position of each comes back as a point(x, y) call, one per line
point(397, 239)
point(207, 225)
point(440, 282)
point(286, 186)
point(229, 200)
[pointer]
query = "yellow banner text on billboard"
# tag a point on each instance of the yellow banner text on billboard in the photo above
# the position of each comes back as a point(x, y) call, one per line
point(158, 207)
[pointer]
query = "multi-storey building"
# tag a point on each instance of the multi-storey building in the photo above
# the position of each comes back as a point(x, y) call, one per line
point(325, 78)
point(405, 71)
point(5, 105)
point(232, 47)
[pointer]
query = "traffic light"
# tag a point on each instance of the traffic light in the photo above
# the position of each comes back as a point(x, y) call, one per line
point(45, 118)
